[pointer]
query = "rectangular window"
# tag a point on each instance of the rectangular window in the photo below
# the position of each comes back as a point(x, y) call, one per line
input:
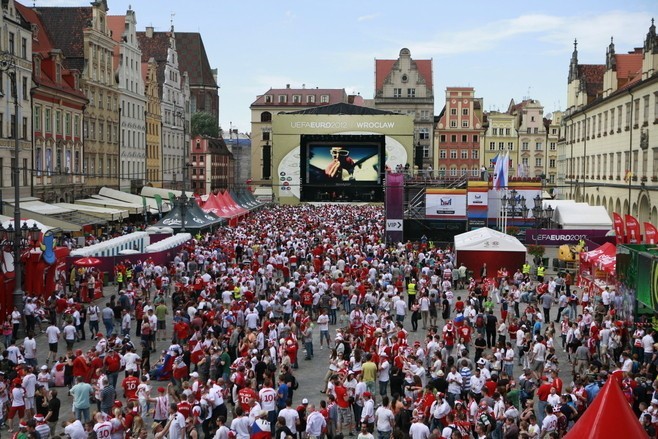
point(464, 138)
point(424, 134)
point(48, 120)
point(510, 146)
point(551, 163)
point(453, 124)
point(655, 105)
point(507, 131)
point(464, 154)
point(464, 124)
point(553, 146)
point(24, 89)
point(475, 154)
point(38, 161)
point(324, 99)
point(525, 146)
point(411, 92)
point(24, 48)
point(442, 154)
point(397, 92)
point(475, 138)
point(36, 119)
point(494, 131)
point(538, 146)
point(453, 153)
point(310, 99)
point(628, 115)
point(524, 161)
point(24, 128)
point(283, 99)
point(426, 151)
point(453, 138)
point(453, 112)
point(492, 146)
point(501, 146)
point(442, 138)
point(645, 111)
point(67, 124)
point(268, 99)
point(12, 128)
point(619, 117)
point(636, 111)
point(464, 111)
point(296, 99)
point(12, 43)
point(58, 122)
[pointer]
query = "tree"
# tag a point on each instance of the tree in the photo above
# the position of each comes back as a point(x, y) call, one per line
point(204, 124)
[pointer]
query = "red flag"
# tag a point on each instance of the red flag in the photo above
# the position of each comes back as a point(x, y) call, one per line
point(650, 233)
point(633, 234)
point(619, 228)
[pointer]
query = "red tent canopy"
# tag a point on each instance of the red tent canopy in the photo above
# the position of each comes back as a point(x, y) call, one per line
point(594, 255)
point(608, 417)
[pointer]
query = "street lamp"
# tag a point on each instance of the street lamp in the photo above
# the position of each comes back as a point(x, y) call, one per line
point(183, 196)
point(516, 204)
point(8, 65)
point(543, 217)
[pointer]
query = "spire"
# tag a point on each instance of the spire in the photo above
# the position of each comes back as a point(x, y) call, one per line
point(611, 58)
point(651, 42)
point(573, 67)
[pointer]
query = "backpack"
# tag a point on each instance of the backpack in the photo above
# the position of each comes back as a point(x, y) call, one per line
point(479, 321)
point(295, 384)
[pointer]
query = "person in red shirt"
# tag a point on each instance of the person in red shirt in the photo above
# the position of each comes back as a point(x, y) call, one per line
point(181, 331)
point(185, 408)
point(344, 410)
point(245, 395)
point(543, 391)
point(112, 365)
point(80, 365)
point(557, 382)
point(129, 385)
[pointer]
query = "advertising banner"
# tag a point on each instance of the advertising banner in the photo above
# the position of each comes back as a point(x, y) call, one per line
point(650, 233)
point(477, 201)
point(394, 207)
point(619, 228)
point(557, 237)
point(633, 234)
point(445, 203)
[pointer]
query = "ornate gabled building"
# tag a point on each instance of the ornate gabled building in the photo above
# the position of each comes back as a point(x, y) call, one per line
point(609, 153)
point(83, 36)
point(58, 106)
point(458, 133)
point(173, 89)
point(17, 41)
point(529, 115)
point(406, 86)
point(500, 137)
point(193, 59)
point(128, 71)
point(153, 124)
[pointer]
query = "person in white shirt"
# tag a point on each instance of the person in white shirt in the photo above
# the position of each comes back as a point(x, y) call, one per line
point(291, 416)
point(418, 430)
point(240, 424)
point(75, 430)
point(647, 345)
point(315, 423)
point(323, 326)
point(70, 334)
point(30, 350)
point(455, 380)
point(176, 423)
point(439, 410)
point(549, 424)
point(384, 419)
point(368, 412)
point(102, 428)
point(52, 333)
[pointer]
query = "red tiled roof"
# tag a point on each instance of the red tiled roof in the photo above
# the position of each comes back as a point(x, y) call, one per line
point(116, 24)
point(628, 65)
point(193, 59)
point(65, 27)
point(336, 95)
point(592, 74)
point(155, 47)
point(383, 68)
point(44, 46)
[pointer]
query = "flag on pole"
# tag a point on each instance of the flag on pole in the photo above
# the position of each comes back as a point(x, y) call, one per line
point(495, 159)
point(497, 173)
point(504, 169)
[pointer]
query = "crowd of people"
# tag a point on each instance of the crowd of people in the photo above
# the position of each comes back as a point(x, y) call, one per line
point(419, 345)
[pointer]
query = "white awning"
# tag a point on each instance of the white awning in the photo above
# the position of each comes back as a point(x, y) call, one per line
point(489, 240)
point(108, 214)
point(582, 216)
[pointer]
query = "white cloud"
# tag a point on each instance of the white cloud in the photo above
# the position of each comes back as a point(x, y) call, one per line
point(367, 17)
point(627, 28)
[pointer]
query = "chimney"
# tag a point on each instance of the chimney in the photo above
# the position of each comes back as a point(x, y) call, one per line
point(149, 31)
point(303, 86)
point(288, 86)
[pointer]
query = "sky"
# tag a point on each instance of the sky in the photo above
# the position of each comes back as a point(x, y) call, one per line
point(506, 50)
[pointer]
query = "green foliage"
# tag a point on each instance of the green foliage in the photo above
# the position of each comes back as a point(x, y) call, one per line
point(204, 124)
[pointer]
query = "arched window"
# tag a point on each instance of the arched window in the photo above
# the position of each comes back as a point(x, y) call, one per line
point(266, 116)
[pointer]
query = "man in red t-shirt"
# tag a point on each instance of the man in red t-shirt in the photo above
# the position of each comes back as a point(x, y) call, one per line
point(245, 395)
point(129, 385)
point(181, 330)
point(344, 409)
point(112, 365)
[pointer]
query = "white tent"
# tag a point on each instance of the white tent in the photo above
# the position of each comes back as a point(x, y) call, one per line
point(487, 239)
point(582, 216)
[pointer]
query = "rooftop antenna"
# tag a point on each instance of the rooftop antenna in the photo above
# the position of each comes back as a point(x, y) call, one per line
point(171, 19)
